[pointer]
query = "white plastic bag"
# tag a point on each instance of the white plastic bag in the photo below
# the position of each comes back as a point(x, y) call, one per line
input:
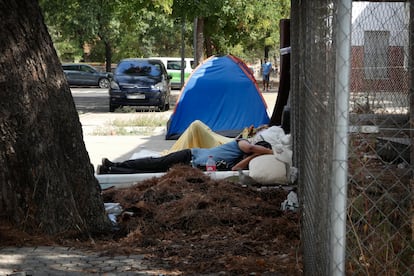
point(113, 210)
point(291, 203)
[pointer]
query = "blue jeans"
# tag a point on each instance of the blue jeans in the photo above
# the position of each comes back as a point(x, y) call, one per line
point(152, 164)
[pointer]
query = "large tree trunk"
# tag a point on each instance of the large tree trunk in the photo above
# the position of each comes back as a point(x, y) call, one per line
point(46, 179)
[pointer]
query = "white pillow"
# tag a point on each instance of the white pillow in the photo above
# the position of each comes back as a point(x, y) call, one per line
point(266, 169)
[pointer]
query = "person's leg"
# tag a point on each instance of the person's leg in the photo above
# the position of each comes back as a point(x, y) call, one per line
point(198, 135)
point(267, 81)
point(152, 164)
point(264, 82)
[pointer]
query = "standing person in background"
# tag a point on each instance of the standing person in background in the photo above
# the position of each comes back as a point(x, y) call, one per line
point(266, 70)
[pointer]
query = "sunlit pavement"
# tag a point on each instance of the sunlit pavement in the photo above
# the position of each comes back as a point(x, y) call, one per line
point(53, 260)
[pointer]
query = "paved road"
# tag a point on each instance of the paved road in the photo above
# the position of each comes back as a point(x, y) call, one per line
point(91, 100)
point(96, 100)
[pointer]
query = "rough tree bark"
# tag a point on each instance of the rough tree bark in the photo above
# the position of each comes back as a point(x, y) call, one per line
point(46, 179)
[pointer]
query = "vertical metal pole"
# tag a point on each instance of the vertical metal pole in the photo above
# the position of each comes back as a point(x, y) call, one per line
point(182, 51)
point(284, 76)
point(411, 97)
point(196, 61)
point(339, 179)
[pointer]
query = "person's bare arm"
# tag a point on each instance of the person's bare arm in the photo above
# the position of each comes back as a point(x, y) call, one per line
point(244, 163)
point(248, 148)
point(253, 150)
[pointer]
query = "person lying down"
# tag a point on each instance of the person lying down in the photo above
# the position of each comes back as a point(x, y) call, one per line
point(197, 143)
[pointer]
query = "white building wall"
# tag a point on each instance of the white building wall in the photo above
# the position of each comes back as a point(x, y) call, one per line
point(392, 17)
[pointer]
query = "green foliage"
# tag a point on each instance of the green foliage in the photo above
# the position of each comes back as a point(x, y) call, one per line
point(198, 8)
point(138, 28)
point(251, 25)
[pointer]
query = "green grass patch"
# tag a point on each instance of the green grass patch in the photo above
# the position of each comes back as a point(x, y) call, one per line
point(123, 131)
point(144, 124)
point(146, 120)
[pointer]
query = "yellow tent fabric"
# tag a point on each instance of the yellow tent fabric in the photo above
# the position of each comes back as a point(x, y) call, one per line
point(199, 135)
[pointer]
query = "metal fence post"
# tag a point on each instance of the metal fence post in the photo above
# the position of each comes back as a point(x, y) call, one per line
point(340, 146)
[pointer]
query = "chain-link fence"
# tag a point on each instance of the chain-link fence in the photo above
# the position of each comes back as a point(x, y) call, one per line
point(352, 104)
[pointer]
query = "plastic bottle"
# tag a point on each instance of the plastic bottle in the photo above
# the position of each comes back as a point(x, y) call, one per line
point(211, 167)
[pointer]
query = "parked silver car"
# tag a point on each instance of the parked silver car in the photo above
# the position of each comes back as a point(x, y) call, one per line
point(81, 74)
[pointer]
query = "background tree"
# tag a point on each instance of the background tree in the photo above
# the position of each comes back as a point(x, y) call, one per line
point(147, 32)
point(248, 29)
point(251, 28)
point(47, 182)
point(95, 22)
point(70, 24)
point(196, 11)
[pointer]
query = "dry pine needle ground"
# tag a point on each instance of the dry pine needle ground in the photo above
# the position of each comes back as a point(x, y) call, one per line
point(199, 225)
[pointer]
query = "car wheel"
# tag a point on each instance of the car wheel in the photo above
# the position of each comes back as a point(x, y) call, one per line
point(103, 83)
point(112, 107)
point(161, 108)
point(167, 104)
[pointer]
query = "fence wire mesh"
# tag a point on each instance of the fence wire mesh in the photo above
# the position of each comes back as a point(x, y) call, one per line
point(378, 170)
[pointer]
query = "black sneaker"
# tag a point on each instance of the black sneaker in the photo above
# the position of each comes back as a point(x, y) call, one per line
point(101, 169)
point(107, 163)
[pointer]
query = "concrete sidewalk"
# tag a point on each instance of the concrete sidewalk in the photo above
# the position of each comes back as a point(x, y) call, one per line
point(119, 148)
point(57, 260)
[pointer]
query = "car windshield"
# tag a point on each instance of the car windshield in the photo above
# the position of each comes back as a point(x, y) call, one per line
point(174, 64)
point(139, 68)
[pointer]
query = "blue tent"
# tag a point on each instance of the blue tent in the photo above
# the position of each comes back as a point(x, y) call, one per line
point(223, 94)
